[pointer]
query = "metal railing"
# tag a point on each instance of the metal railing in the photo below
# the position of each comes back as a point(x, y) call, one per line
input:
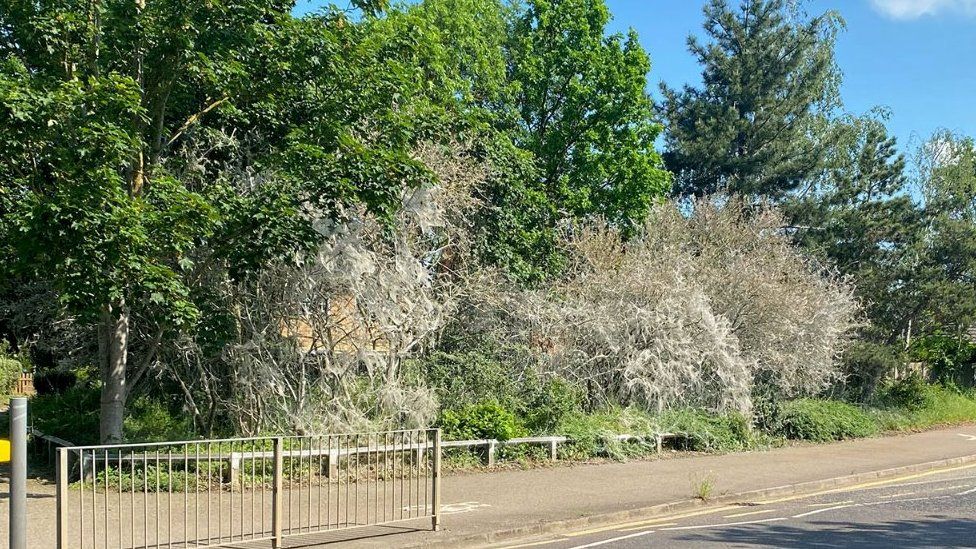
point(211, 492)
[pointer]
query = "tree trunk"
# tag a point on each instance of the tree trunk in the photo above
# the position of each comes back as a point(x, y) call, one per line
point(115, 338)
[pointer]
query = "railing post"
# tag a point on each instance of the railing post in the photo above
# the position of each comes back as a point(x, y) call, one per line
point(435, 506)
point(61, 487)
point(277, 495)
point(18, 473)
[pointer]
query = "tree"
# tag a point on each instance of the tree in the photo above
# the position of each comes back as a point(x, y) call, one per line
point(554, 104)
point(579, 107)
point(944, 280)
point(145, 144)
point(754, 127)
point(860, 217)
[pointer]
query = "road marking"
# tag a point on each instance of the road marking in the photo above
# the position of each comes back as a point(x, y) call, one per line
point(649, 522)
point(658, 525)
point(450, 508)
point(611, 540)
point(971, 438)
point(749, 513)
point(830, 503)
point(909, 500)
point(534, 544)
point(867, 484)
point(723, 525)
point(967, 492)
point(824, 510)
point(889, 496)
point(936, 481)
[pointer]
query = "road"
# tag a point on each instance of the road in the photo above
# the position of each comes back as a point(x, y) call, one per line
point(934, 509)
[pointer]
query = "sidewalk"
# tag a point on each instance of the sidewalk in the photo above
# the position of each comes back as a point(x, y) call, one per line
point(482, 508)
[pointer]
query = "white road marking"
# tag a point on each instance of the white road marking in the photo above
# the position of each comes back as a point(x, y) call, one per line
point(967, 492)
point(749, 513)
point(830, 503)
point(824, 510)
point(723, 525)
point(968, 437)
point(611, 540)
point(450, 508)
point(889, 502)
point(888, 496)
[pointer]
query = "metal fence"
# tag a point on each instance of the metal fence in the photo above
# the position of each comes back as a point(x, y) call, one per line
point(211, 492)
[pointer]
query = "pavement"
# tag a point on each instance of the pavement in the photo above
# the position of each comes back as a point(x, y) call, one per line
point(505, 507)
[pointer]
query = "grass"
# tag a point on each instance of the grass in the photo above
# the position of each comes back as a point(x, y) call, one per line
point(943, 406)
point(702, 486)
point(822, 420)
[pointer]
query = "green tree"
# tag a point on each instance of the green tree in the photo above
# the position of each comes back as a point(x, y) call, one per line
point(861, 218)
point(944, 280)
point(755, 126)
point(579, 107)
point(554, 104)
point(144, 143)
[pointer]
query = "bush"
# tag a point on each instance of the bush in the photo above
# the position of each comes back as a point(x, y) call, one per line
point(708, 431)
point(150, 421)
point(589, 433)
point(943, 406)
point(72, 415)
point(52, 382)
point(865, 365)
point(547, 402)
point(479, 421)
point(953, 359)
point(824, 420)
point(505, 376)
point(912, 394)
point(10, 369)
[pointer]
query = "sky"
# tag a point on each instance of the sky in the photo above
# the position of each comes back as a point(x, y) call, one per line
point(916, 58)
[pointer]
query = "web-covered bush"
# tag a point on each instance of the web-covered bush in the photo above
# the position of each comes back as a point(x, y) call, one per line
point(690, 313)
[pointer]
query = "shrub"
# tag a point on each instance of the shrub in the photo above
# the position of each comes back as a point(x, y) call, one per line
point(10, 370)
point(150, 421)
point(824, 420)
point(910, 393)
point(943, 406)
point(72, 415)
point(865, 365)
point(472, 376)
point(478, 421)
point(506, 376)
point(52, 382)
point(548, 402)
point(588, 433)
point(952, 359)
point(708, 431)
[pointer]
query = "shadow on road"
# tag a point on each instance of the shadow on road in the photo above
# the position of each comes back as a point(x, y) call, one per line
point(933, 531)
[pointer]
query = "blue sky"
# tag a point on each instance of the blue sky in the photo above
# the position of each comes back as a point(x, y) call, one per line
point(915, 57)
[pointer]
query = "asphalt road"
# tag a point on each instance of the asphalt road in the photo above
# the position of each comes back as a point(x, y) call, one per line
point(935, 509)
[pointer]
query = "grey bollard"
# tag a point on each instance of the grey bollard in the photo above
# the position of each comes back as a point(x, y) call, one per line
point(18, 473)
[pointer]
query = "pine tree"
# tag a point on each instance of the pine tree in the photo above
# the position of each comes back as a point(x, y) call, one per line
point(769, 80)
